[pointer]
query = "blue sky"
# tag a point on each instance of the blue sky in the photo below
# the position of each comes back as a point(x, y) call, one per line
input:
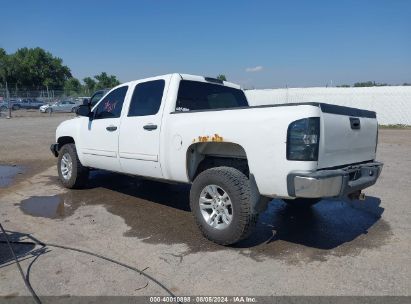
point(262, 44)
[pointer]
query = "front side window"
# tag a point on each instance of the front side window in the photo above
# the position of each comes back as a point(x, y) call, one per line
point(110, 106)
point(146, 98)
point(196, 95)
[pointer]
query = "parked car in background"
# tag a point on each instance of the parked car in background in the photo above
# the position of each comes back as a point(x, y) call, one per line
point(4, 106)
point(81, 101)
point(60, 106)
point(27, 103)
point(96, 97)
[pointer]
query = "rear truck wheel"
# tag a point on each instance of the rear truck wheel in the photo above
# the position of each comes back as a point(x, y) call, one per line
point(72, 173)
point(301, 202)
point(73, 110)
point(3, 109)
point(221, 203)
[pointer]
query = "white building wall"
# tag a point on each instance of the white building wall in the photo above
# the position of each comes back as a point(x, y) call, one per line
point(392, 103)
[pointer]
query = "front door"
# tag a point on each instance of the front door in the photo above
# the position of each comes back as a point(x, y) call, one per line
point(99, 137)
point(139, 142)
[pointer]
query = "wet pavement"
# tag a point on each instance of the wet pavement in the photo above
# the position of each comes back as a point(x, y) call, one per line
point(334, 248)
point(158, 213)
point(7, 174)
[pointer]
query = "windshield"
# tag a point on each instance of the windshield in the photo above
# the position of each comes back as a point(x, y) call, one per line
point(195, 95)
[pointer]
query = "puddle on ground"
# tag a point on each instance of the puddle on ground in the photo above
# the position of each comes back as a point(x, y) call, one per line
point(159, 213)
point(46, 206)
point(7, 174)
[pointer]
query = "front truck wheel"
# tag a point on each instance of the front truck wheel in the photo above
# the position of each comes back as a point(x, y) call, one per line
point(72, 173)
point(221, 202)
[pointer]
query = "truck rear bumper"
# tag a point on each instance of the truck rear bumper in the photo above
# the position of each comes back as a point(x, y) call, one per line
point(333, 182)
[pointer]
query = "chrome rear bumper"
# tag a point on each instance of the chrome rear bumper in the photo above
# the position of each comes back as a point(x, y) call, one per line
point(333, 182)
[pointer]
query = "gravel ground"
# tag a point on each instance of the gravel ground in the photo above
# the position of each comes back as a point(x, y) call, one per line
point(337, 248)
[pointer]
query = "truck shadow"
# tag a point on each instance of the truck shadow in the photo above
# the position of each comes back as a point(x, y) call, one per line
point(326, 225)
point(159, 213)
point(329, 228)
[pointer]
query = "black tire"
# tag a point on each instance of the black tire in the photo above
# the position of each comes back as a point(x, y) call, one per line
point(49, 110)
point(73, 110)
point(3, 109)
point(302, 203)
point(79, 173)
point(15, 107)
point(238, 188)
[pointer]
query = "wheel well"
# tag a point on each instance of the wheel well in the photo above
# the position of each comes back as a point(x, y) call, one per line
point(203, 156)
point(65, 140)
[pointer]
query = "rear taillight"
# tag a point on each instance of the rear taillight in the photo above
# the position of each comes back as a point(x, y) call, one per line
point(303, 137)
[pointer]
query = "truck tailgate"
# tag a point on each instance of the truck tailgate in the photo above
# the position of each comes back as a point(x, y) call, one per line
point(348, 136)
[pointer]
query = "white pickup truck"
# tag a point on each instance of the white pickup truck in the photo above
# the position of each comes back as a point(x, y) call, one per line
point(191, 129)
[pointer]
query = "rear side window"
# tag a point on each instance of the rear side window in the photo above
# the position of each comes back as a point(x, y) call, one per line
point(195, 95)
point(110, 106)
point(146, 98)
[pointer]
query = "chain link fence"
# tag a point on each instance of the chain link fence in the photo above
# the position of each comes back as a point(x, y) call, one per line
point(15, 100)
point(43, 95)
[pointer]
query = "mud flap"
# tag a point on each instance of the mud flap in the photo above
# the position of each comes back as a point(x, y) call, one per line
point(259, 203)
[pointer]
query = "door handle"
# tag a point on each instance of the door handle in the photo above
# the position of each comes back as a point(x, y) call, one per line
point(111, 128)
point(150, 127)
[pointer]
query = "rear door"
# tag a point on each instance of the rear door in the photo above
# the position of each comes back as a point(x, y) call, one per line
point(99, 136)
point(139, 142)
point(347, 136)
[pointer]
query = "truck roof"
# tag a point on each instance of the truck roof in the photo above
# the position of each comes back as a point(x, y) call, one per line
point(192, 78)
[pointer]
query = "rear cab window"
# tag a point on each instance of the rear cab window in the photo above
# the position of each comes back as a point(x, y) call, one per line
point(196, 95)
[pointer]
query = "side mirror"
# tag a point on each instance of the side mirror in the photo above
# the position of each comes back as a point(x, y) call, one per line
point(84, 110)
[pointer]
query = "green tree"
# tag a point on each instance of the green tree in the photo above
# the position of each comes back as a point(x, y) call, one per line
point(72, 86)
point(106, 81)
point(34, 68)
point(5, 67)
point(222, 77)
point(89, 85)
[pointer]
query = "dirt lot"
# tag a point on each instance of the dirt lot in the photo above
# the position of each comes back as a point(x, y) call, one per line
point(337, 248)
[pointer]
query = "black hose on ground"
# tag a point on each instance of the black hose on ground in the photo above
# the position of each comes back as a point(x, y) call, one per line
point(36, 298)
point(26, 282)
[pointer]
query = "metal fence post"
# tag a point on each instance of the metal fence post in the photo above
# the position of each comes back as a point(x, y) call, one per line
point(9, 101)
